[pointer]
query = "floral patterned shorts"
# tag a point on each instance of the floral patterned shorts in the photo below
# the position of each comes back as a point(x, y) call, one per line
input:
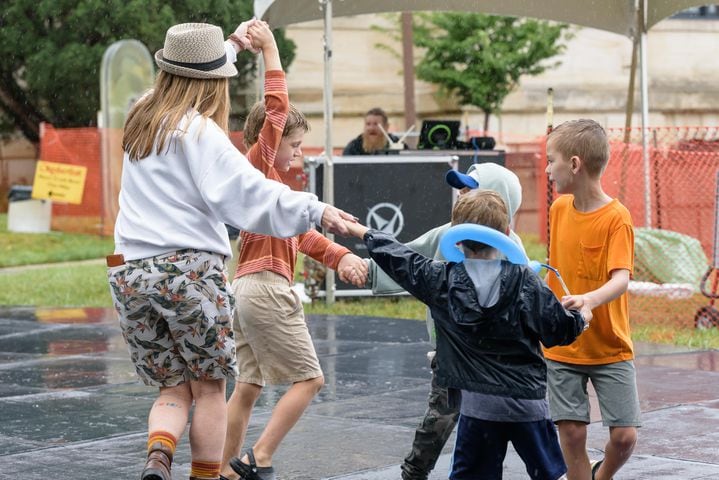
point(175, 313)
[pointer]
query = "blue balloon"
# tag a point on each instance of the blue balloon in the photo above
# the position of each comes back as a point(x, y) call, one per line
point(479, 233)
point(536, 266)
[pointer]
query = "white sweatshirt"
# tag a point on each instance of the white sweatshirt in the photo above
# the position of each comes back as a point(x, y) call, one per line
point(182, 197)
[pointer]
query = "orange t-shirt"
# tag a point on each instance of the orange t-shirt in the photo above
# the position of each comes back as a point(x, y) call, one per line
point(586, 247)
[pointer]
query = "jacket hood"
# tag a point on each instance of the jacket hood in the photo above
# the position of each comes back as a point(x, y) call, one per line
point(464, 303)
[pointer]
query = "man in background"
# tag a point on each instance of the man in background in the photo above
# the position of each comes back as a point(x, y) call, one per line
point(371, 140)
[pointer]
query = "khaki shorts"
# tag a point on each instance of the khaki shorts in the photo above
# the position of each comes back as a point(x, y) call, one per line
point(273, 343)
point(175, 313)
point(615, 384)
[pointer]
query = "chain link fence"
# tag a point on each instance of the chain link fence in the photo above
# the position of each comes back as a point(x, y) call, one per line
point(672, 196)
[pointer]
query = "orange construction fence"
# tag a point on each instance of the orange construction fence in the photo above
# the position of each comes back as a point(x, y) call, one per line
point(672, 199)
point(83, 146)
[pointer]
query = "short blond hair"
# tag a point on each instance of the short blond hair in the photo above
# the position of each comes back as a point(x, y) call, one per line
point(296, 120)
point(483, 207)
point(584, 138)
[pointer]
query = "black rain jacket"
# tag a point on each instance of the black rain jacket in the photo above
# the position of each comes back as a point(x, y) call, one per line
point(493, 350)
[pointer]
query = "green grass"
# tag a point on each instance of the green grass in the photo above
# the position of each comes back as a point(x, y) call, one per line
point(60, 286)
point(33, 248)
point(390, 307)
point(86, 286)
point(683, 336)
point(535, 249)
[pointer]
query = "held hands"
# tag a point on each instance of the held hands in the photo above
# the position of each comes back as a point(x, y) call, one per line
point(583, 303)
point(352, 269)
point(242, 39)
point(261, 36)
point(336, 220)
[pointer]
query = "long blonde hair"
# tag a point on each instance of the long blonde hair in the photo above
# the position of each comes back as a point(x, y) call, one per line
point(157, 115)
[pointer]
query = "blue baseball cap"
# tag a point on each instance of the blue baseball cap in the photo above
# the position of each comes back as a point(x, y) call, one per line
point(460, 180)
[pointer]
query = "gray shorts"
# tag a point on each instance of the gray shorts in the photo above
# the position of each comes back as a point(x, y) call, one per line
point(615, 384)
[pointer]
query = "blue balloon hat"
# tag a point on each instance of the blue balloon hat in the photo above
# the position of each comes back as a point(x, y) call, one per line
point(536, 266)
point(479, 233)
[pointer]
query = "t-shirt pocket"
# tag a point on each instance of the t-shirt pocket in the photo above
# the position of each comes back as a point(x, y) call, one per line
point(592, 261)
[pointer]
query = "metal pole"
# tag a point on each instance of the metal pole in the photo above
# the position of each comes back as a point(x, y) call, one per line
point(410, 112)
point(328, 188)
point(630, 106)
point(645, 112)
point(630, 92)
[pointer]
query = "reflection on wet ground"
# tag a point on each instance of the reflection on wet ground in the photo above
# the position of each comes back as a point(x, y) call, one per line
point(71, 406)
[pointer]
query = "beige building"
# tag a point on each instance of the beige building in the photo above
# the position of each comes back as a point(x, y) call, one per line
point(591, 81)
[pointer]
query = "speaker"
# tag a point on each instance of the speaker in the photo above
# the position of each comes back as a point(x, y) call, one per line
point(482, 143)
point(438, 135)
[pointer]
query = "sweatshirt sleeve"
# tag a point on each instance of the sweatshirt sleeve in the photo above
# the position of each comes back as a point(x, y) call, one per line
point(426, 244)
point(237, 193)
point(416, 273)
point(319, 247)
point(277, 105)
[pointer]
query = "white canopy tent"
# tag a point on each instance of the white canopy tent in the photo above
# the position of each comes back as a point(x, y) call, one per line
point(618, 16)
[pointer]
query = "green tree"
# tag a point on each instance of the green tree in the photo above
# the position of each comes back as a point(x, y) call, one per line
point(52, 50)
point(480, 58)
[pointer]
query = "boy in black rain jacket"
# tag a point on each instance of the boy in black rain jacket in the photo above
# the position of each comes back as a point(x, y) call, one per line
point(491, 316)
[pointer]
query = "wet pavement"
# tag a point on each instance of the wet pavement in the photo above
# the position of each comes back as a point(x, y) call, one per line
point(70, 405)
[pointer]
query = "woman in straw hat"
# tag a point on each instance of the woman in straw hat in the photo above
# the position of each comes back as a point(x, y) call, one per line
point(182, 180)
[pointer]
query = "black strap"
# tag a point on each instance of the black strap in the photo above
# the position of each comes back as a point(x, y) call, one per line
point(205, 67)
point(251, 458)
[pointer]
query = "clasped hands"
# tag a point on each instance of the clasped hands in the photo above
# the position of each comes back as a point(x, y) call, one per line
point(242, 38)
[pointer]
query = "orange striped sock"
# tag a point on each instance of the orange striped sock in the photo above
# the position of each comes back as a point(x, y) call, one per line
point(205, 470)
point(166, 439)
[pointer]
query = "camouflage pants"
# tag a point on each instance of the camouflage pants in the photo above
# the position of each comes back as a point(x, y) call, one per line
point(432, 433)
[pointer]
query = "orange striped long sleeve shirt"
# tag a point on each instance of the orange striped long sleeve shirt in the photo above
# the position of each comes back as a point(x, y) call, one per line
point(260, 253)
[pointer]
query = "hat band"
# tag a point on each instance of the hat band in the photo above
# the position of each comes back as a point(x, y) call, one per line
point(205, 67)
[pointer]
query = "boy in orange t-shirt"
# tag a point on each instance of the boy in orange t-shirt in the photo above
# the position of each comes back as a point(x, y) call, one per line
point(592, 245)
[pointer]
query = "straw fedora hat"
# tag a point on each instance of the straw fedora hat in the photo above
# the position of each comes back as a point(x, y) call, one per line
point(195, 50)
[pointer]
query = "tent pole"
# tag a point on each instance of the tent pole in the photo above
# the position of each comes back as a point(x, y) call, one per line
point(630, 90)
point(630, 107)
point(410, 112)
point(328, 189)
point(645, 111)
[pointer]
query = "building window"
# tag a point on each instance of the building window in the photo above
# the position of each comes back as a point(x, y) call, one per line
point(706, 12)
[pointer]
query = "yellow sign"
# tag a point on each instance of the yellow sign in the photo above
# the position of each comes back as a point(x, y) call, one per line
point(59, 181)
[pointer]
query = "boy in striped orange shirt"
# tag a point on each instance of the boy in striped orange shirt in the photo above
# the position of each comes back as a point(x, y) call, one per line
point(273, 342)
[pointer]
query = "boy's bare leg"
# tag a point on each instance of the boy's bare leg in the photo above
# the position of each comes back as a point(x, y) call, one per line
point(207, 431)
point(619, 448)
point(288, 410)
point(239, 410)
point(573, 440)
